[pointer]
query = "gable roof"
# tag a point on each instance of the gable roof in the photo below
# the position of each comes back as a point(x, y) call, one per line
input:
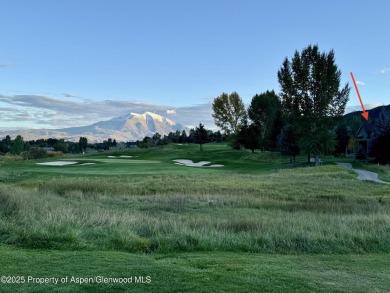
point(365, 131)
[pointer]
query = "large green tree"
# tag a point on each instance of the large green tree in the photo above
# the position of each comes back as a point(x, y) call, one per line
point(312, 99)
point(343, 136)
point(263, 112)
point(288, 144)
point(248, 137)
point(5, 144)
point(62, 146)
point(229, 112)
point(18, 145)
point(200, 136)
point(83, 143)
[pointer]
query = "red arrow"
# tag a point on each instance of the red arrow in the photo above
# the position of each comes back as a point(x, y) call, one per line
point(365, 113)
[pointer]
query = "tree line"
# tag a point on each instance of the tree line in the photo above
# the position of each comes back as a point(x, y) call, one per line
point(302, 118)
point(305, 117)
point(199, 135)
point(39, 148)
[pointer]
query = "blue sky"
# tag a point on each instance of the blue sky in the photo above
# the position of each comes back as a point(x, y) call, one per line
point(68, 63)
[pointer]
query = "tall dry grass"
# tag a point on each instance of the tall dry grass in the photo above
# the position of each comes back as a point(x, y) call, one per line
point(311, 210)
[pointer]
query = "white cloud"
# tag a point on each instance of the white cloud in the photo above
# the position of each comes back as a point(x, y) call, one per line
point(360, 82)
point(385, 70)
point(34, 111)
point(191, 116)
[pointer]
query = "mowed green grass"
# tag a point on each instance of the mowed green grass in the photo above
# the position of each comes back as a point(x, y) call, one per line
point(272, 224)
point(156, 162)
point(197, 272)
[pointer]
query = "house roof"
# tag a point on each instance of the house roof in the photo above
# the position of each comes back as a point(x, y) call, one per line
point(365, 131)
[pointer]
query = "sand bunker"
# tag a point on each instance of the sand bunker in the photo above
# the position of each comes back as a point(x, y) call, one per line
point(57, 163)
point(190, 163)
point(119, 157)
point(84, 164)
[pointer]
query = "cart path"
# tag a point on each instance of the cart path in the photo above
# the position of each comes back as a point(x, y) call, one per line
point(363, 174)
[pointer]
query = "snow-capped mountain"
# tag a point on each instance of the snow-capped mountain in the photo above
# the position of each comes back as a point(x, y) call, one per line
point(124, 128)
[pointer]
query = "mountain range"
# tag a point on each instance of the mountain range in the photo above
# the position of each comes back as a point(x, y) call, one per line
point(125, 128)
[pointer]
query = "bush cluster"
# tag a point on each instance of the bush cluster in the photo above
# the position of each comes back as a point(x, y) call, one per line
point(34, 153)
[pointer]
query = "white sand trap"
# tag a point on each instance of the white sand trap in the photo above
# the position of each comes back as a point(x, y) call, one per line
point(190, 163)
point(111, 156)
point(85, 164)
point(119, 157)
point(57, 163)
point(126, 156)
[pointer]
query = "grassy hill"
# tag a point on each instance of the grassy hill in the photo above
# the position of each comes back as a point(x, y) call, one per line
point(254, 223)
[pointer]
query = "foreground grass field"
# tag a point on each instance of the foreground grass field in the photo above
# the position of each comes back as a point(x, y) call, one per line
point(265, 223)
point(197, 272)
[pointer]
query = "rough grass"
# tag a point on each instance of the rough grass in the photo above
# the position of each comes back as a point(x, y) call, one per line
point(303, 210)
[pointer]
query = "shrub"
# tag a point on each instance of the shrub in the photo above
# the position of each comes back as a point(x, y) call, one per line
point(55, 154)
point(34, 153)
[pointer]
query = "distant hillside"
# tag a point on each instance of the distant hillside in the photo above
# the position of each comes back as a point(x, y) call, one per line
point(130, 127)
point(374, 113)
point(354, 119)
